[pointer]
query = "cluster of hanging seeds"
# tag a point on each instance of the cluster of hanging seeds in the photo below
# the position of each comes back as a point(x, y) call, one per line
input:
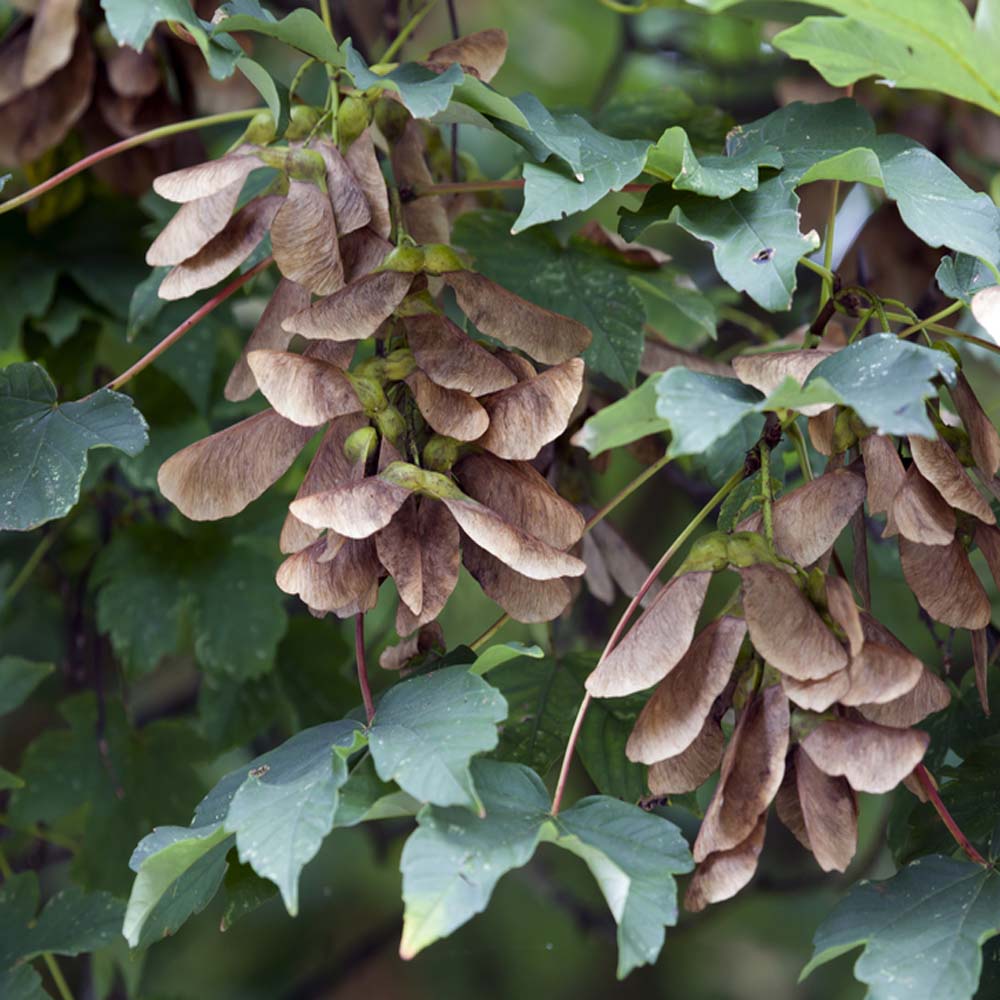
point(423, 461)
point(817, 696)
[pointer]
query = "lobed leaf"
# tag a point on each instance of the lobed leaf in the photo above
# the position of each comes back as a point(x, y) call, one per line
point(42, 469)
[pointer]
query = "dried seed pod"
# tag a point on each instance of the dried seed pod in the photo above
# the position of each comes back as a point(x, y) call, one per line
point(524, 496)
point(765, 372)
point(752, 769)
point(940, 467)
point(527, 416)
point(545, 335)
point(428, 638)
point(523, 553)
point(597, 577)
point(355, 510)
point(452, 359)
point(930, 694)
point(329, 468)
point(32, 121)
point(420, 550)
point(219, 475)
point(306, 390)
point(693, 766)
point(225, 252)
point(450, 412)
point(821, 431)
point(426, 219)
point(356, 311)
point(919, 513)
point(350, 205)
point(818, 695)
point(809, 520)
point(675, 713)
point(50, 42)
point(482, 51)
point(524, 599)
point(785, 628)
point(209, 178)
point(884, 472)
point(883, 670)
point(980, 659)
point(988, 540)
point(636, 254)
point(657, 641)
point(304, 239)
point(348, 580)
point(363, 162)
point(983, 437)
point(845, 613)
point(193, 225)
point(944, 582)
point(723, 874)
point(627, 568)
point(268, 334)
point(872, 758)
point(822, 812)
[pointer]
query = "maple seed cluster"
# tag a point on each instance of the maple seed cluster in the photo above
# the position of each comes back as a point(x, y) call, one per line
point(823, 697)
point(423, 460)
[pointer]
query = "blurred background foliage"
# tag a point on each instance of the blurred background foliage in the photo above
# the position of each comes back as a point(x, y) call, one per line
point(70, 265)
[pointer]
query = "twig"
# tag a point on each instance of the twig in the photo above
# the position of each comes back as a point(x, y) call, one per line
point(199, 314)
point(453, 21)
point(930, 788)
point(359, 653)
point(164, 132)
point(620, 628)
point(596, 518)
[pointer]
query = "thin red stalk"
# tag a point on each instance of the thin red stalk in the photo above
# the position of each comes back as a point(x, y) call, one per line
point(163, 132)
point(359, 653)
point(620, 628)
point(473, 187)
point(199, 314)
point(928, 785)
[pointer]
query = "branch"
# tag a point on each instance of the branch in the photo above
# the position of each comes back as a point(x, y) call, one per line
point(163, 132)
point(199, 314)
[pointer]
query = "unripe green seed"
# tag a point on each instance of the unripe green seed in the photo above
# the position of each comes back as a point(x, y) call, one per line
point(391, 424)
point(261, 129)
point(408, 259)
point(361, 445)
point(440, 259)
point(303, 119)
point(440, 453)
point(353, 116)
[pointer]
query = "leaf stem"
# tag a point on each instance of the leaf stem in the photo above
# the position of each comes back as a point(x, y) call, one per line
point(626, 8)
point(199, 314)
point(767, 492)
point(619, 629)
point(324, 12)
point(57, 977)
point(936, 318)
point(163, 132)
point(831, 225)
point(359, 654)
point(476, 187)
point(825, 273)
point(623, 494)
point(801, 450)
point(930, 788)
point(626, 491)
point(32, 562)
point(406, 31)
